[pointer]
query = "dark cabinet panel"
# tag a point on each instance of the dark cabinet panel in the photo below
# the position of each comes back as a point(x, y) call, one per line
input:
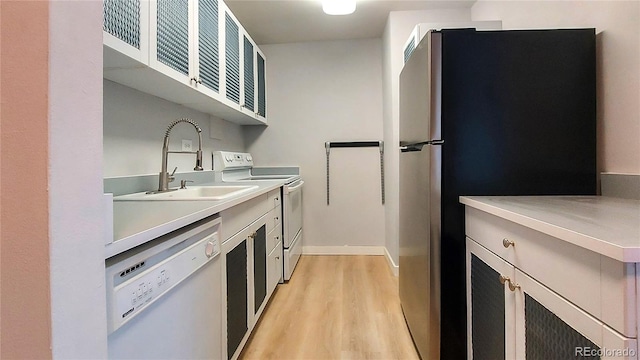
point(547, 337)
point(236, 297)
point(488, 312)
point(260, 267)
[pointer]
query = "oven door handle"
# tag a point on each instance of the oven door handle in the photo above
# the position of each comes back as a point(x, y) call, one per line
point(289, 190)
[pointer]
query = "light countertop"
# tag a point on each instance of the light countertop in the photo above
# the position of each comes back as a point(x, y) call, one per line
point(137, 222)
point(606, 225)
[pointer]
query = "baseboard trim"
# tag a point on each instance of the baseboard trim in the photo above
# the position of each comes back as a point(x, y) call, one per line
point(343, 250)
point(395, 269)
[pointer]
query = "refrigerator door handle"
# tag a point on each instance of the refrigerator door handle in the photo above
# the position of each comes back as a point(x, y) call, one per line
point(418, 145)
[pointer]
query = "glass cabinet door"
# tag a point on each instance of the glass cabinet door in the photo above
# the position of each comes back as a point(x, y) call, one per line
point(232, 59)
point(548, 327)
point(172, 35)
point(490, 305)
point(249, 78)
point(259, 267)
point(125, 26)
point(237, 304)
point(262, 87)
point(208, 44)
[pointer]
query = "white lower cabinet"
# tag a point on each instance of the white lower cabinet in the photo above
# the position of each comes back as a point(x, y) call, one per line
point(252, 266)
point(510, 315)
point(518, 314)
point(238, 284)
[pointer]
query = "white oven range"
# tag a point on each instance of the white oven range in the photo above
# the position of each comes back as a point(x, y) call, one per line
point(238, 167)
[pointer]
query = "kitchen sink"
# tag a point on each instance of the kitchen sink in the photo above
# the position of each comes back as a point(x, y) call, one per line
point(205, 193)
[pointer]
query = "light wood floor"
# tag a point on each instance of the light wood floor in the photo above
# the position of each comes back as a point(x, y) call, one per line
point(334, 307)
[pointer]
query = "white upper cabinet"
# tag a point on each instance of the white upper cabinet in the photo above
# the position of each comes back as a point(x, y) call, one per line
point(261, 85)
point(190, 52)
point(172, 38)
point(207, 74)
point(249, 72)
point(232, 58)
point(125, 30)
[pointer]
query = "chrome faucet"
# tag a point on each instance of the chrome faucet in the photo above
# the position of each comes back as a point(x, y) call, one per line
point(165, 177)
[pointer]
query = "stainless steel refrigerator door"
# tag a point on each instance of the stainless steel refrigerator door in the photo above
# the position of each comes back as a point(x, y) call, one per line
point(420, 201)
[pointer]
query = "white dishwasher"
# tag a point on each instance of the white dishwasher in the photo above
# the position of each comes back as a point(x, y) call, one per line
point(164, 297)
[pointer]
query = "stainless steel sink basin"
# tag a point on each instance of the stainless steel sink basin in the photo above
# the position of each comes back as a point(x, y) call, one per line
point(204, 193)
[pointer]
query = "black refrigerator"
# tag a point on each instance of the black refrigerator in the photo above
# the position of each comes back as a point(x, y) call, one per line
point(483, 113)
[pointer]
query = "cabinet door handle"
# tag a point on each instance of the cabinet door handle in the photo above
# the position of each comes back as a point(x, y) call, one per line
point(196, 80)
point(505, 279)
point(506, 243)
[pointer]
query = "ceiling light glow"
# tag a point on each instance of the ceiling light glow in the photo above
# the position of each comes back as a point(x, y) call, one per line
point(338, 7)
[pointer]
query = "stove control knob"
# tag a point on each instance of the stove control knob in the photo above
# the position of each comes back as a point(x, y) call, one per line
point(249, 158)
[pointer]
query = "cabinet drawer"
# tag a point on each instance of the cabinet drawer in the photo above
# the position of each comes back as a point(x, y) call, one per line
point(570, 271)
point(275, 218)
point(274, 269)
point(238, 217)
point(275, 199)
point(274, 238)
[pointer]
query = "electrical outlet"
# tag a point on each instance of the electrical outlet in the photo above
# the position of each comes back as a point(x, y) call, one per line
point(187, 145)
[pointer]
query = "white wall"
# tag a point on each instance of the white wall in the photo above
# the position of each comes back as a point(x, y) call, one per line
point(327, 91)
point(617, 24)
point(134, 128)
point(399, 26)
point(76, 226)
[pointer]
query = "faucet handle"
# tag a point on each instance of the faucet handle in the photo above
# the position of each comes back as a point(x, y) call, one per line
point(171, 177)
point(183, 183)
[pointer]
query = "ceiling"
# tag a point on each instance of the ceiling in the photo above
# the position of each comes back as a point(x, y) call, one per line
point(287, 21)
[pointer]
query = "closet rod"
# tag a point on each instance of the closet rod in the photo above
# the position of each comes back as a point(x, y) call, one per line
point(353, 144)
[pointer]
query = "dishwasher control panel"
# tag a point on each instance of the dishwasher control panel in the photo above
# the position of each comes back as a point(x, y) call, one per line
point(155, 276)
